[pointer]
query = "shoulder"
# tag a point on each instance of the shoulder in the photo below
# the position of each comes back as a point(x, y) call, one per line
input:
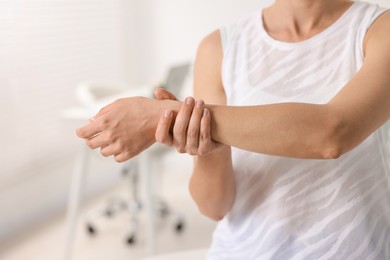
point(378, 35)
point(211, 44)
point(209, 54)
point(219, 40)
point(380, 25)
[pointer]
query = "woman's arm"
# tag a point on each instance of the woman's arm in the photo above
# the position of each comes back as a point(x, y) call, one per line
point(212, 184)
point(317, 131)
point(286, 129)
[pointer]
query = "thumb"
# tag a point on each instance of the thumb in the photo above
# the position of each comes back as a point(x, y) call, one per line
point(161, 94)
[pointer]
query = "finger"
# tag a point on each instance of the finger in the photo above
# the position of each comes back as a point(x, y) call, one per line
point(102, 111)
point(89, 130)
point(112, 149)
point(205, 141)
point(162, 132)
point(122, 157)
point(181, 124)
point(96, 141)
point(194, 128)
point(161, 94)
point(109, 150)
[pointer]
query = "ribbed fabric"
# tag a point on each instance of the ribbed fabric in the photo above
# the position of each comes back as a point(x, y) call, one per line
point(289, 208)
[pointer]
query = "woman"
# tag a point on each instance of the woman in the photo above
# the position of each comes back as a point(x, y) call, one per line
point(290, 156)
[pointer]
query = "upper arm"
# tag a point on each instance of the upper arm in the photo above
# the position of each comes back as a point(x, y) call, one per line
point(207, 75)
point(363, 105)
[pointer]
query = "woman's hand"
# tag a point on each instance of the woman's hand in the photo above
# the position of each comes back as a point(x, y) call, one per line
point(191, 130)
point(126, 127)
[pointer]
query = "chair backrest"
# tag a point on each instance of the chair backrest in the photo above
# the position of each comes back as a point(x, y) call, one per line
point(176, 78)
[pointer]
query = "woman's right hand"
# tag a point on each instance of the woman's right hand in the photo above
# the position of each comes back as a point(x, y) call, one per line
point(191, 131)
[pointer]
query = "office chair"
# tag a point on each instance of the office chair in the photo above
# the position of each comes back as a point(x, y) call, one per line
point(90, 94)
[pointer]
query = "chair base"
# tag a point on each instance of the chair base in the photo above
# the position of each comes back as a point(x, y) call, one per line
point(132, 206)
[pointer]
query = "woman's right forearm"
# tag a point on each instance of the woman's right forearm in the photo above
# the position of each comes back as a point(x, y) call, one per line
point(212, 185)
point(298, 130)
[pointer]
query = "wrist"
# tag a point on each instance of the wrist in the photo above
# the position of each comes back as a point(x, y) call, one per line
point(157, 109)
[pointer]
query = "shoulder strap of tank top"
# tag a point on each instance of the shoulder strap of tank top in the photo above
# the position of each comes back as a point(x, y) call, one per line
point(378, 12)
point(224, 31)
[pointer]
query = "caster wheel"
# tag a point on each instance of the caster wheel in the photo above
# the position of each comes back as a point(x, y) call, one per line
point(130, 240)
point(91, 230)
point(179, 226)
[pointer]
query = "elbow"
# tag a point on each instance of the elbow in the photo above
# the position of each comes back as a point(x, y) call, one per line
point(214, 195)
point(212, 213)
point(212, 205)
point(336, 139)
point(332, 152)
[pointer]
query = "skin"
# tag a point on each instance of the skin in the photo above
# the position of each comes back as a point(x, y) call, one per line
point(117, 128)
point(314, 131)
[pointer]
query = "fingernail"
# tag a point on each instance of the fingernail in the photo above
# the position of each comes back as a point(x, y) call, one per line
point(199, 103)
point(205, 112)
point(190, 100)
point(91, 119)
point(167, 113)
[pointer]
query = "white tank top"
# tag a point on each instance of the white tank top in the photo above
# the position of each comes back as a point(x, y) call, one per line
point(289, 208)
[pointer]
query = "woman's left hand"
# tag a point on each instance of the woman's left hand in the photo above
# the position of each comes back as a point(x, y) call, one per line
point(191, 131)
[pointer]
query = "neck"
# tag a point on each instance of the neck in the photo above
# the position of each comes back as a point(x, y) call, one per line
point(296, 20)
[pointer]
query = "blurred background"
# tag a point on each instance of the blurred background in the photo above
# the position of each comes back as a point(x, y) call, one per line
point(47, 49)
